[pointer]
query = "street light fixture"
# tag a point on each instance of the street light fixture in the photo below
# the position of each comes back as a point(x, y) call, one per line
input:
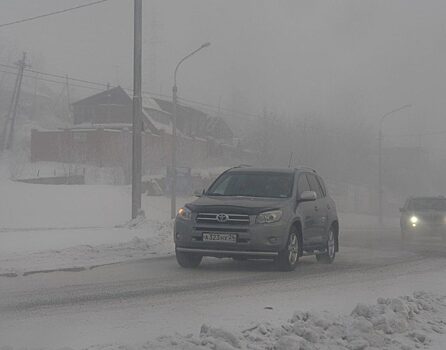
point(173, 172)
point(380, 190)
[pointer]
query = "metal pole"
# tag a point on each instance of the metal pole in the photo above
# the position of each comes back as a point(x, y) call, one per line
point(380, 188)
point(380, 165)
point(137, 110)
point(67, 84)
point(173, 171)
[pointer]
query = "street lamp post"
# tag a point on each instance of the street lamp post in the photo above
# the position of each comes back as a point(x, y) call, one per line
point(380, 189)
point(173, 171)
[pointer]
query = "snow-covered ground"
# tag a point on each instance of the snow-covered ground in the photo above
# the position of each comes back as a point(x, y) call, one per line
point(77, 227)
point(401, 323)
point(128, 306)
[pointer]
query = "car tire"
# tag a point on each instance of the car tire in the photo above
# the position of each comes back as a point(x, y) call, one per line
point(188, 260)
point(405, 235)
point(288, 258)
point(330, 249)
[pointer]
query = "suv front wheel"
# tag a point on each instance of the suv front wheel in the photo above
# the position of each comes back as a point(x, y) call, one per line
point(188, 260)
point(288, 258)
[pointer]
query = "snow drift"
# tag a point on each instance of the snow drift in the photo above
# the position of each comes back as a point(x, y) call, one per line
point(402, 323)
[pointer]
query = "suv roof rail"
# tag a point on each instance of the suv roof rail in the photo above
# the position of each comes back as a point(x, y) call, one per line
point(240, 166)
point(236, 167)
point(306, 168)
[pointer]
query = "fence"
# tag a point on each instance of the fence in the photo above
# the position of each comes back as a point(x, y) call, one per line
point(113, 148)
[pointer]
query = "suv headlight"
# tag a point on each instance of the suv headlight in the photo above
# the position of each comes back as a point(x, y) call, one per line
point(269, 217)
point(184, 213)
point(413, 219)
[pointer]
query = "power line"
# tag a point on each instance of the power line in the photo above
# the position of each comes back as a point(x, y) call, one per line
point(225, 111)
point(187, 101)
point(51, 13)
point(57, 76)
point(51, 81)
point(430, 133)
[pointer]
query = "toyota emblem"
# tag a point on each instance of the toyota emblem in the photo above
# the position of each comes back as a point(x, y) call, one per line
point(222, 217)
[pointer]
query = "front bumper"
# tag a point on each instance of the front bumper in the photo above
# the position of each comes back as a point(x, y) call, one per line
point(221, 253)
point(255, 240)
point(426, 227)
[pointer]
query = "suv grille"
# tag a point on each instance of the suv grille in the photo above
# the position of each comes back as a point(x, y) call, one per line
point(434, 218)
point(225, 219)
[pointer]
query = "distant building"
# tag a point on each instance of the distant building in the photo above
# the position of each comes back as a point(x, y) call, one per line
point(114, 106)
point(101, 134)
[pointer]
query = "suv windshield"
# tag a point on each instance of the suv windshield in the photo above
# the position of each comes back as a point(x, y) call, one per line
point(428, 204)
point(269, 185)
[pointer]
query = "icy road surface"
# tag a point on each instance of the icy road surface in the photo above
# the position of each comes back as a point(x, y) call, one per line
point(130, 303)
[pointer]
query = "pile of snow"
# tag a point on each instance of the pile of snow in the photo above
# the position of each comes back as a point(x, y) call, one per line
point(402, 323)
point(151, 239)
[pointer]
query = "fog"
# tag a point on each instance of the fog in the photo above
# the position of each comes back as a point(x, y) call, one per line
point(341, 60)
point(336, 67)
point(96, 254)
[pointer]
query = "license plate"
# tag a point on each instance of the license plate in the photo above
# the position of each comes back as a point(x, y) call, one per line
point(219, 237)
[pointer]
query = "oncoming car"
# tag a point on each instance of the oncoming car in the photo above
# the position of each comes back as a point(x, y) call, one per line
point(256, 213)
point(423, 215)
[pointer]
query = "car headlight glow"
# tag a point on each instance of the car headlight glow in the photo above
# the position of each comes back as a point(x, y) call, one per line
point(184, 213)
point(269, 217)
point(413, 219)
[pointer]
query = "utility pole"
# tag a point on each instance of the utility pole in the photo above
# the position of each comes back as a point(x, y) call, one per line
point(137, 110)
point(8, 135)
point(67, 86)
point(35, 96)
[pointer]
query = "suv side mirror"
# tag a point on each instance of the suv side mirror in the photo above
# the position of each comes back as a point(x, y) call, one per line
point(198, 193)
point(307, 196)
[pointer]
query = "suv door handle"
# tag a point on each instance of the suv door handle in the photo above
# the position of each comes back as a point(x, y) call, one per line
point(316, 208)
point(328, 206)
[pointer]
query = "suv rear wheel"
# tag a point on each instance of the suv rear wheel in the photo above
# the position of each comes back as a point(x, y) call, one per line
point(330, 250)
point(288, 258)
point(188, 260)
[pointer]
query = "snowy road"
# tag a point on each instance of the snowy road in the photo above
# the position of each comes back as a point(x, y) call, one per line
point(132, 302)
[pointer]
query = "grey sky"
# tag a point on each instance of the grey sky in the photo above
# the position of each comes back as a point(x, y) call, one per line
point(351, 60)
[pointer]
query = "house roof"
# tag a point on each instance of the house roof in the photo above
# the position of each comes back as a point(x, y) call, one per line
point(113, 92)
point(167, 106)
point(117, 94)
point(157, 114)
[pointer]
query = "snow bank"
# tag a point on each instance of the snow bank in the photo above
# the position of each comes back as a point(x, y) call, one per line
point(149, 239)
point(402, 323)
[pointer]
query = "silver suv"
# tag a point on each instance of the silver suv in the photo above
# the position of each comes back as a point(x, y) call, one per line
point(256, 213)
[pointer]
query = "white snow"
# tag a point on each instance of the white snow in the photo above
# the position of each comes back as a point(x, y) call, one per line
point(86, 250)
point(400, 323)
point(47, 227)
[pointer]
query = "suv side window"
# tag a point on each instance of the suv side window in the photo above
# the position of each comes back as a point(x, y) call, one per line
point(302, 184)
point(323, 187)
point(314, 185)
